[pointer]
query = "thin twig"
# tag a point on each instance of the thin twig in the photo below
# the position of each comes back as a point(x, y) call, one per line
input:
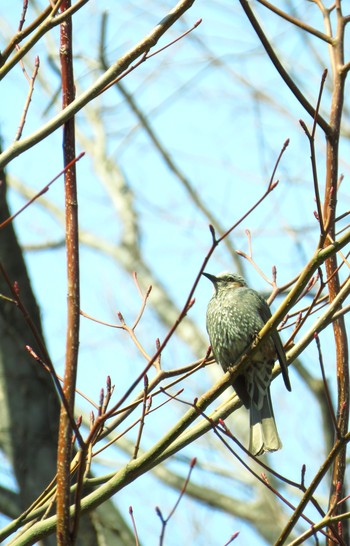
point(142, 419)
point(28, 99)
point(311, 139)
point(42, 191)
point(131, 512)
point(297, 22)
point(325, 384)
point(165, 521)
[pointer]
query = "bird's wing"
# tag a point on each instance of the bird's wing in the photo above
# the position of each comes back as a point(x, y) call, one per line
point(265, 313)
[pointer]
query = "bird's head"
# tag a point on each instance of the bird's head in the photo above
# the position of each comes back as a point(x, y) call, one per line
point(226, 281)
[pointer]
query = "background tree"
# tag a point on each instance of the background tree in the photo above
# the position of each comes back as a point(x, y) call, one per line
point(174, 139)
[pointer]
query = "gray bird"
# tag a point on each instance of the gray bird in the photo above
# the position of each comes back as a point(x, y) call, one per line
point(235, 316)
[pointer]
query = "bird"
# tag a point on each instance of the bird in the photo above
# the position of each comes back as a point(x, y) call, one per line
point(235, 316)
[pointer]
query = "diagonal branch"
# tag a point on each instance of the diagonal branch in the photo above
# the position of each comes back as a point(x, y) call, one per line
point(281, 70)
point(297, 22)
point(120, 66)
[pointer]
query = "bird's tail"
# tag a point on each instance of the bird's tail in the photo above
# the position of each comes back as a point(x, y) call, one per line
point(263, 431)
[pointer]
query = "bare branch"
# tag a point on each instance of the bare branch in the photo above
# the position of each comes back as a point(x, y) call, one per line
point(297, 22)
point(281, 70)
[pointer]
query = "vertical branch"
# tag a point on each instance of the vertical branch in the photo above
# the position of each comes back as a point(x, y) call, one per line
point(73, 304)
point(329, 214)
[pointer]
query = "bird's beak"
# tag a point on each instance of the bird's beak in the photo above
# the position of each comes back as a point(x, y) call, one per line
point(212, 278)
